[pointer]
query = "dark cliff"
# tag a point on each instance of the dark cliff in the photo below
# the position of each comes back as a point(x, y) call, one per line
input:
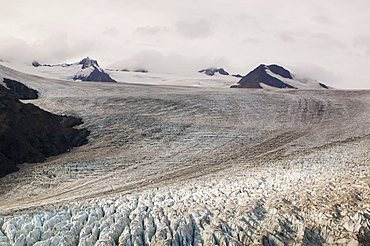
point(30, 134)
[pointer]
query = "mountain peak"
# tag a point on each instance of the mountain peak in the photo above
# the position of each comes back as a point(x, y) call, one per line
point(89, 71)
point(87, 62)
point(267, 76)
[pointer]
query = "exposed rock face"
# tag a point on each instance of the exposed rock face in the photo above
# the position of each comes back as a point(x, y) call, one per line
point(237, 75)
point(90, 71)
point(19, 90)
point(278, 77)
point(87, 62)
point(36, 64)
point(212, 71)
point(95, 75)
point(280, 71)
point(323, 86)
point(30, 134)
point(259, 75)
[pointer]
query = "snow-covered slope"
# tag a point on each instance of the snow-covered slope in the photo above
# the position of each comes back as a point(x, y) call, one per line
point(274, 76)
point(189, 79)
point(85, 70)
point(68, 72)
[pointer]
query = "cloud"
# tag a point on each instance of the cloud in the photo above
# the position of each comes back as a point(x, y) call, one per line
point(326, 41)
point(323, 19)
point(194, 30)
point(155, 61)
point(56, 48)
point(12, 48)
point(150, 30)
point(250, 40)
point(286, 36)
point(111, 31)
point(316, 72)
point(244, 32)
point(59, 47)
point(362, 42)
point(152, 60)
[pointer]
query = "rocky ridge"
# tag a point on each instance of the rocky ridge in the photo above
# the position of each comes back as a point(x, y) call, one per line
point(85, 70)
point(18, 90)
point(30, 134)
point(213, 70)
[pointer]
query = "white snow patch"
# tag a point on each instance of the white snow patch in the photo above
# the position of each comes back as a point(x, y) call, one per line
point(298, 81)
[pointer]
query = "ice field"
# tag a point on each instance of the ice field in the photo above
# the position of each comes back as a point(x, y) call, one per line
point(178, 164)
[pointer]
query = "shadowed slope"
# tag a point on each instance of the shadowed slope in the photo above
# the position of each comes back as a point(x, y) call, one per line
point(30, 134)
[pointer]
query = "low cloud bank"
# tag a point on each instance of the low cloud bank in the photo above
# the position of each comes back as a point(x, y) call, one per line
point(155, 61)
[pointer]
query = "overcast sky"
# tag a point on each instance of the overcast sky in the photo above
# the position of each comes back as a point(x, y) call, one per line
point(326, 40)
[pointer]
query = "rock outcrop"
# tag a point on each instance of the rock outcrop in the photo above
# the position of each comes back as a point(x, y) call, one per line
point(18, 90)
point(213, 70)
point(259, 75)
point(30, 134)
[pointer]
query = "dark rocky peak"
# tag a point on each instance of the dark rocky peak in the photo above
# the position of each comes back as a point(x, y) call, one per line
point(259, 75)
point(276, 69)
point(265, 76)
point(280, 71)
point(212, 70)
point(87, 62)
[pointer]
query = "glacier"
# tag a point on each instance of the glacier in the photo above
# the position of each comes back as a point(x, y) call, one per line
point(179, 165)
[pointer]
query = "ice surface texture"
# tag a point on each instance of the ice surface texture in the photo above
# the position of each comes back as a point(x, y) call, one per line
point(172, 165)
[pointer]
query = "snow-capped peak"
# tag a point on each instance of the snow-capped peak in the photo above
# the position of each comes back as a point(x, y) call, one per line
point(85, 70)
point(274, 76)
